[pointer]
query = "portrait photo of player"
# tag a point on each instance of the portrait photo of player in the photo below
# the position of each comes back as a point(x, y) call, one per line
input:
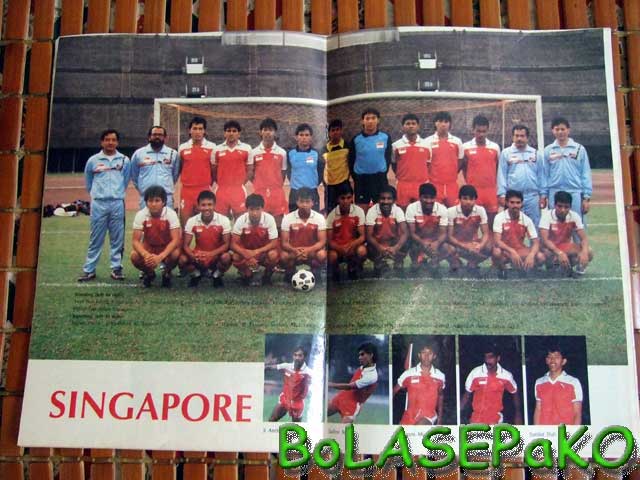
point(358, 379)
point(490, 379)
point(293, 377)
point(424, 379)
point(557, 380)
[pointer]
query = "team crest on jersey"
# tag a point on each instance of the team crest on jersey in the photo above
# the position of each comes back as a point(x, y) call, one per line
point(310, 159)
point(119, 166)
point(555, 156)
point(337, 223)
point(379, 144)
point(295, 226)
point(573, 155)
point(415, 380)
point(472, 152)
point(222, 153)
point(101, 167)
point(258, 158)
point(402, 151)
point(187, 151)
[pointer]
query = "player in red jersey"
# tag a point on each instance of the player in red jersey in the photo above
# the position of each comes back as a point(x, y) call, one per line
point(446, 157)
point(427, 221)
point(196, 164)
point(558, 227)
point(254, 241)
point(211, 231)
point(346, 234)
point(156, 237)
point(480, 166)
point(296, 381)
point(424, 384)
point(486, 384)
point(303, 237)
point(465, 221)
point(230, 171)
point(511, 227)
point(363, 383)
point(387, 232)
point(558, 394)
point(267, 170)
point(411, 155)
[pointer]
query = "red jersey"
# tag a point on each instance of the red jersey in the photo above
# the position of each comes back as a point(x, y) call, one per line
point(196, 163)
point(556, 398)
point(445, 156)
point(344, 228)
point(209, 236)
point(465, 227)
point(561, 232)
point(296, 382)
point(427, 226)
point(156, 230)
point(411, 159)
point(423, 389)
point(482, 163)
point(303, 233)
point(269, 164)
point(386, 230)
point(232, 164)
point(366, 379)
point(257, 236)
point(514, 232)
point(488, 388)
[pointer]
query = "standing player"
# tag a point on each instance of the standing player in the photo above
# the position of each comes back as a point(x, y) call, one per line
point(567, 168)
point(446, 157)
point(304, 167)
point(487, 384)
point(303, 237)
point(363, 383)
point(211, 231)
point(296, 381)
point(465, 221)
point(424, 385)
point(346, 235)
point(411, 155)
point(106, 176)
point(196, 164)
point(267, 170)
point(369, 159)
point(521, 168)
point(387, 233)
point(156, 237)
point(155, 164)
point(230, 171)
point(558, 394)
point(427, 221)
point(480, 166)
point(336, 166)
point(511, 227)
point(254, 241)
point(558, 227)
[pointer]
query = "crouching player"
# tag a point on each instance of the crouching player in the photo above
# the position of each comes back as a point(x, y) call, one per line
point(558, 227)
point(254, 241)
point(510, 229)
point(303, 236)
point(387, 232)
point(427, 221)
point(156, 237)
point(346, 235)
point(211, 252)
point(465, 221)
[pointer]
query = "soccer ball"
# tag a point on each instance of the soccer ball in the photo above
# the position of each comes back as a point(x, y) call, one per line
point(303, 280)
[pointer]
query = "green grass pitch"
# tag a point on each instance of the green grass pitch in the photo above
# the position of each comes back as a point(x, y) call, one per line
point(109, 320)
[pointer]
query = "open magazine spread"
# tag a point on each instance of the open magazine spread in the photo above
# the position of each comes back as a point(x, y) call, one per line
point(409, 227)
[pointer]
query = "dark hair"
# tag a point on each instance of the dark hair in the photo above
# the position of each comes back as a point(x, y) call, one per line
point(559, 121)
point(268, 123)
point(554, 347)
point(388, 189)
point(370, 348)
point(304, 193)
point(155, 191)
point(427, 189)
point(563, 197)
point(254, 201)
point(231, 124)
point(433, 346)
point(206, 195)
point(468, 191)
point(109, 131)
point(410, 116)
point(513, 193)
point(442, 117)
point(491, 348)
point(302, 127)
point(369, 111)
point(198, 121)
point(344, 189)
point(164, 130)
point(335, 123)
point(519, 126)
point(300, 348)
point(480, 121)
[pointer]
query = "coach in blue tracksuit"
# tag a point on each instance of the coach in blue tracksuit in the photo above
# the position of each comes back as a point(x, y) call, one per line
point(567, 168)
point(106, 177)
point(155, 164)
point(521, 167)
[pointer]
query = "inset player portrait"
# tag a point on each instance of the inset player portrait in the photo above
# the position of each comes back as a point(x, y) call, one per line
point(424, 379)
point(358, 379)
point(557, 380)
point(293, 377)
point(491, 379)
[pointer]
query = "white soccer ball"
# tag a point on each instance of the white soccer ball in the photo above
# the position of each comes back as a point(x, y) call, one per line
point(303, 280)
